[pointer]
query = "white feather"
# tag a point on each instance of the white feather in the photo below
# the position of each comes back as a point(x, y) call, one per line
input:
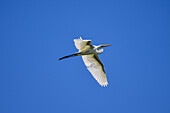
point(81, 44)
point(95, 69)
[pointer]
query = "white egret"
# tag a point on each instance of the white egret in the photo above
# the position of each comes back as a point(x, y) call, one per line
point(90, 57)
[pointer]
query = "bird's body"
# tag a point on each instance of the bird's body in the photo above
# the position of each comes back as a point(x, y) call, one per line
point(89, 55)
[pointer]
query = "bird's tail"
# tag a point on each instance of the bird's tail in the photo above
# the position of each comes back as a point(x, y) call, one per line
point(76, 54)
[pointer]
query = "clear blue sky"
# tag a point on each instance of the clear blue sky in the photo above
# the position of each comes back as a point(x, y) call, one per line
point(35, 33)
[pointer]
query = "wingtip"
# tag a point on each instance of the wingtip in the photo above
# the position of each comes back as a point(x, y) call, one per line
point(104, 85)
point(81, 38)
point(78, 39)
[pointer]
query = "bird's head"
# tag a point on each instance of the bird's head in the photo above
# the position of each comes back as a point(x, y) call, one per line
point(99, 48)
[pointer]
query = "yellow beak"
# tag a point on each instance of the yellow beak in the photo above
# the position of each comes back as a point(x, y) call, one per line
point(106, 45)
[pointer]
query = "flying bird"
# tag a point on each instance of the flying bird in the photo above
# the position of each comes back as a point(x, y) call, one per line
point(90, 57)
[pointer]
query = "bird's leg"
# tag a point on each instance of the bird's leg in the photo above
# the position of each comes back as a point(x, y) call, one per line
point(76, 54)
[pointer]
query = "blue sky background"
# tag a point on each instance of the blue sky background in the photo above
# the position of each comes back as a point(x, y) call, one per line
point(35, 33)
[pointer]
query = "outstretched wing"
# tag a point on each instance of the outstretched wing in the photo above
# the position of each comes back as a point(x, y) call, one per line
point(82, 44)
point(96, 68)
